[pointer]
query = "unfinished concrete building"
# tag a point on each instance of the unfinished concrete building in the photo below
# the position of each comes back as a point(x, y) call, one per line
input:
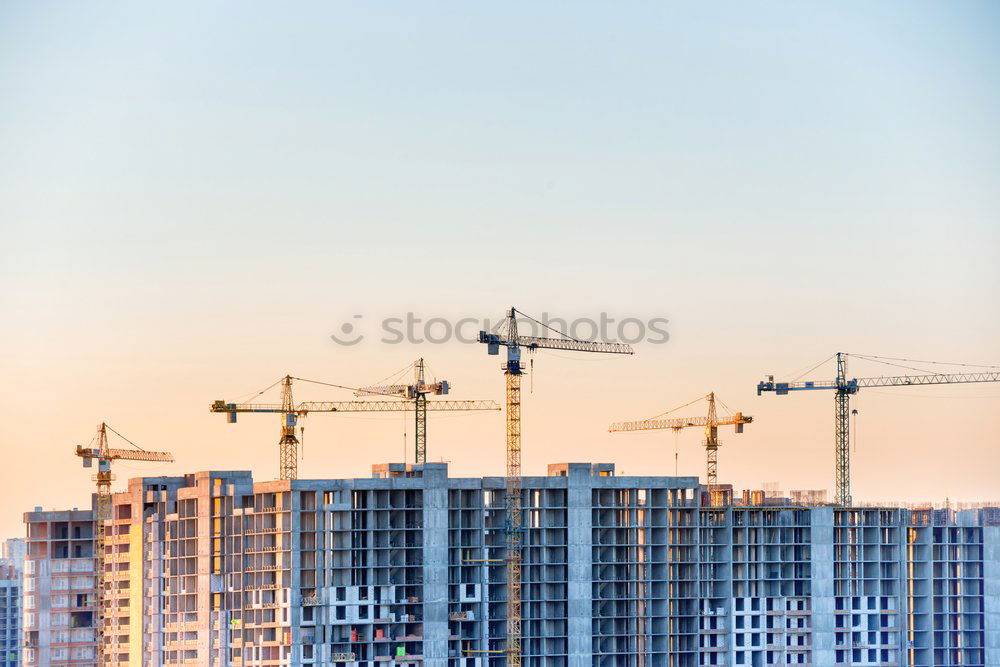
point(406, 567)
point(11, 582)
point(59, 594)
point(10, 614)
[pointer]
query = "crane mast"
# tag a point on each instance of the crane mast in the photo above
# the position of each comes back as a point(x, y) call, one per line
point(512, 378)
point(103, 479)
point(420, 416)
point(105, 455)
point(513, 370)
point(844, 388)
point(712, 451)
point(288, 446)
point(842, 434)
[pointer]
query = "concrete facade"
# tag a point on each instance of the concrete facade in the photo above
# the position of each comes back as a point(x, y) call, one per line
point(406, 567)
point(10, 614)
point(12, 553)
point(59, 589)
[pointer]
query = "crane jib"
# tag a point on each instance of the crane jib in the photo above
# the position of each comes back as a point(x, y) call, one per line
point(851, 386)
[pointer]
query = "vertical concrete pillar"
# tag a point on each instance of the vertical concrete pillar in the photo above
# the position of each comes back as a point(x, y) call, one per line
point(726, 589)
point(579, 502)
point(823, 600)
point(435, 602)
point(991, 593)
point(135, 593)
point(43, 607)
point(203, 599)
point(292, 589)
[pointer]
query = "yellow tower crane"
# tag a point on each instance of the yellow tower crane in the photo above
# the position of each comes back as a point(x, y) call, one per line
point(509, 338)
point(711, 423)
point(291, 412)
point(104, 454)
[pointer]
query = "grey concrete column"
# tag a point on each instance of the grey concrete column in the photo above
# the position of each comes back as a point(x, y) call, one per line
point(991, 593)
point(726, 589)
point(43, 609)
point(295, 585)
point(823, 601)
point(435, 602)
point(580, 556)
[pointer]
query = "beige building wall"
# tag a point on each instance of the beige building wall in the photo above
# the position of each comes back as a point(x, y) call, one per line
point(59, 589)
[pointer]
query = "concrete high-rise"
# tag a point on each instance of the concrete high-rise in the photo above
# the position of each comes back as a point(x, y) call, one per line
point(11, 568)
point(10, 615)
point(406, 567)
point(59, 613)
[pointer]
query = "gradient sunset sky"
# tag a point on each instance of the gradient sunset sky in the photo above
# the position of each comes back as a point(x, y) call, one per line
point(195, 196)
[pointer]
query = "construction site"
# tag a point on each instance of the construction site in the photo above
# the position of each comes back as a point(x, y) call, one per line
point(500, 334)
point(577, 567)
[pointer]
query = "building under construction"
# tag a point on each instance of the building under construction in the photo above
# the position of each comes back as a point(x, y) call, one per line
point(10, 613)
point(407, 567)
point(59, 588)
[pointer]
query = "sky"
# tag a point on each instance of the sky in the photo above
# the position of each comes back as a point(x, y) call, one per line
point(195, 196)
